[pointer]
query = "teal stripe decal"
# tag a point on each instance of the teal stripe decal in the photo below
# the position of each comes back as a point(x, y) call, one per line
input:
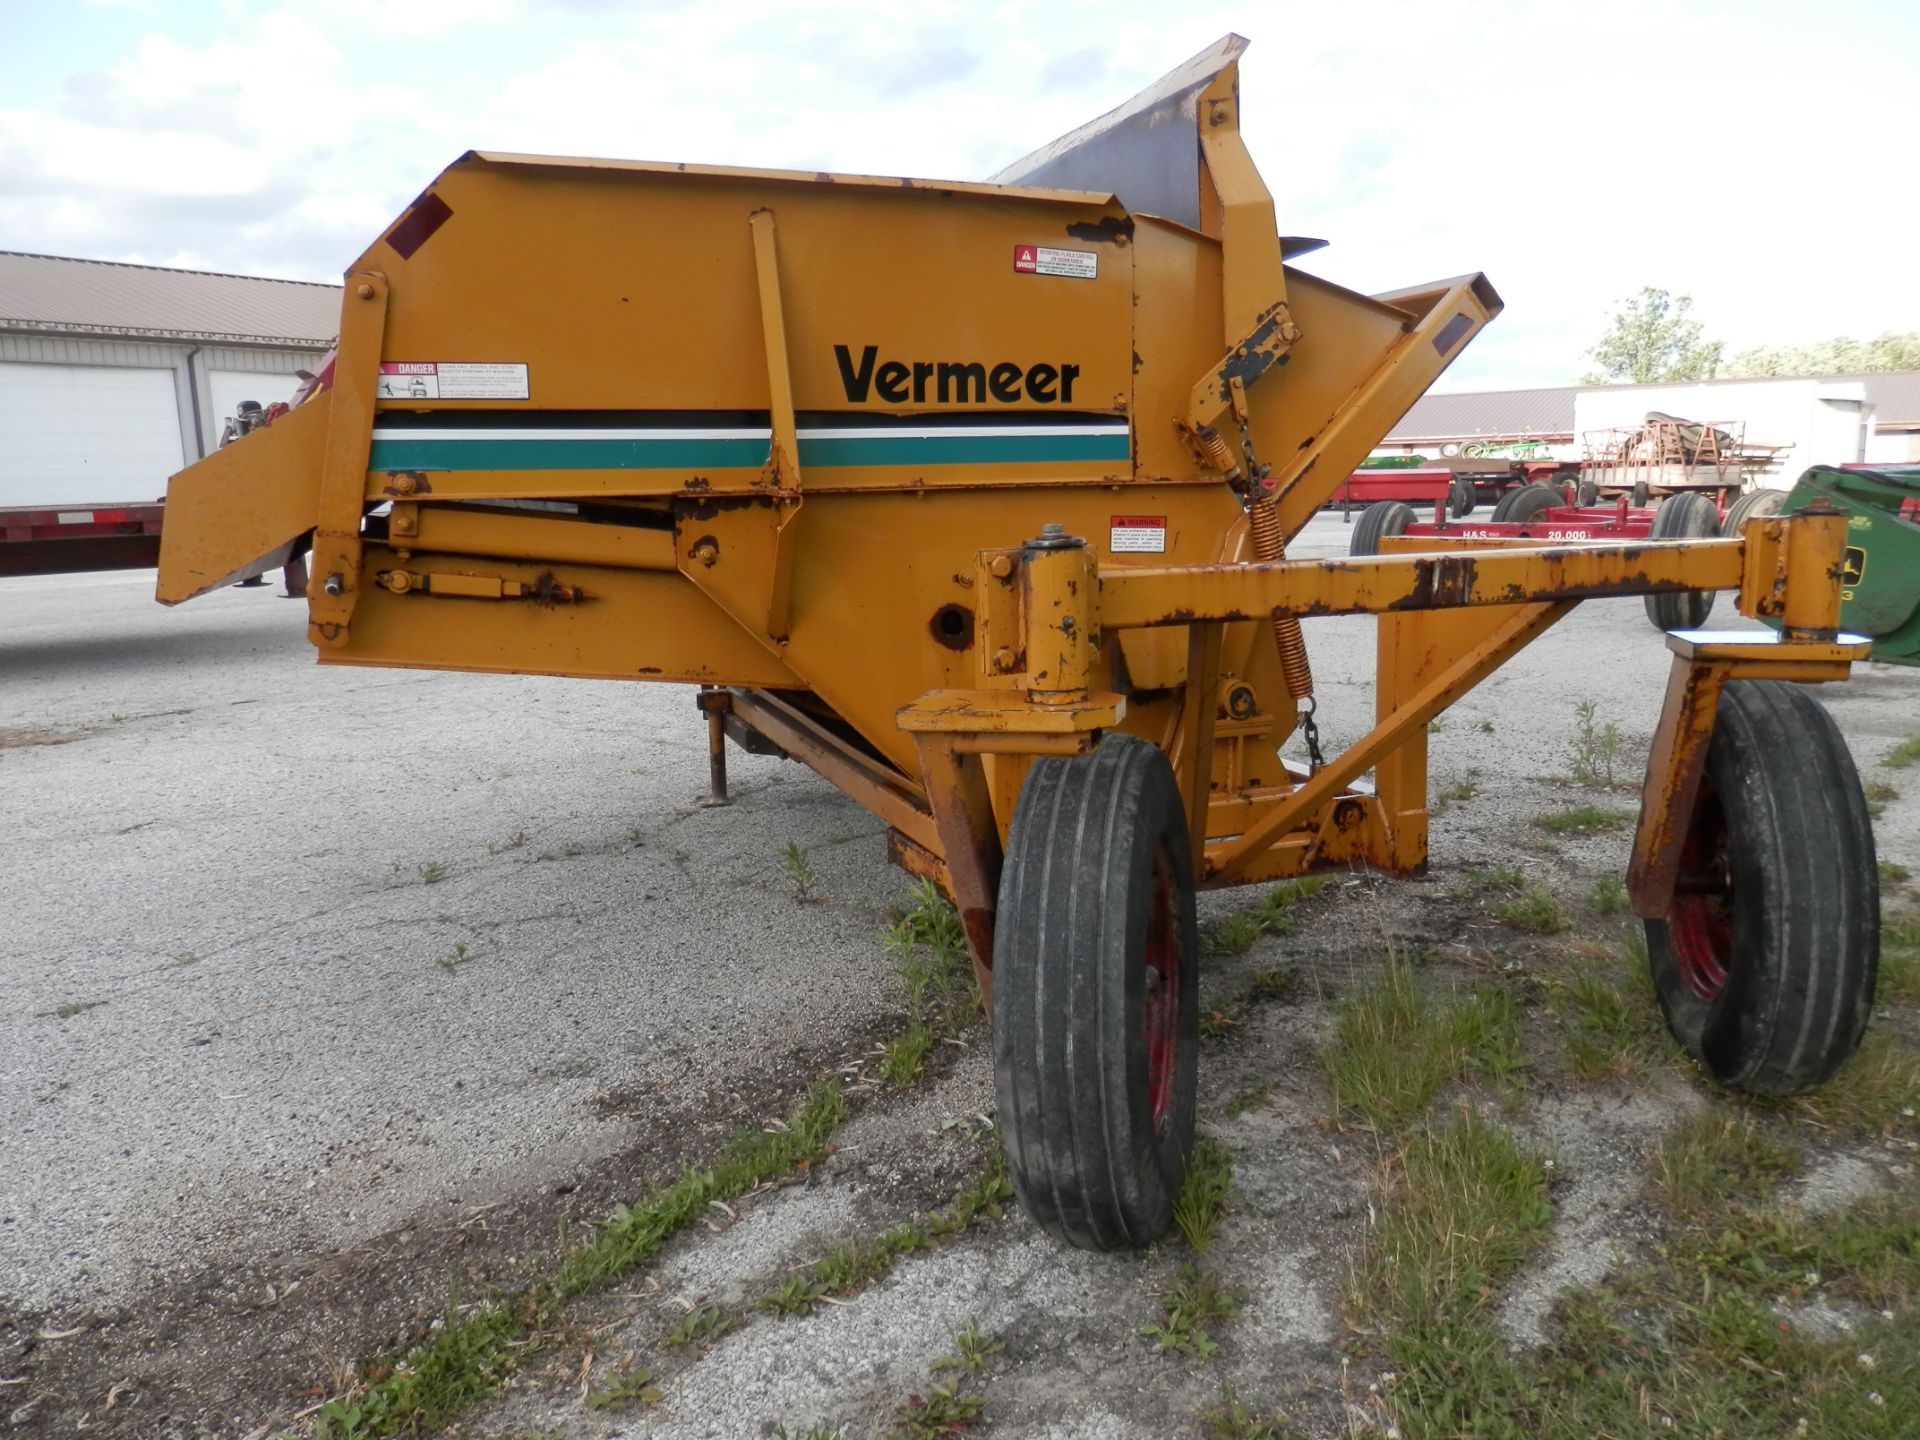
point(835, 453)
point(829, 452)
point(588, 453)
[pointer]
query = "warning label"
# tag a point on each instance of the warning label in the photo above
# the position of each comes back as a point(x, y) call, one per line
point(1137, 535)
point(1040, 260)
point(451, 380)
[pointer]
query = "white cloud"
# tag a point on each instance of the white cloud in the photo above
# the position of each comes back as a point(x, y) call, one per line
point(1574, 151)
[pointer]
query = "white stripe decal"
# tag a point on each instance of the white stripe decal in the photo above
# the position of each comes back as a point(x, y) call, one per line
point(993, 432)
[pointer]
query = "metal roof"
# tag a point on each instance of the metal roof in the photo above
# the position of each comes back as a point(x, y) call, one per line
point(1548, 413)
point(55, 295)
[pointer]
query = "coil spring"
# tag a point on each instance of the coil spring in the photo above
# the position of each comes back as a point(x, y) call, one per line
point(1216, 451)
point(1263, 523)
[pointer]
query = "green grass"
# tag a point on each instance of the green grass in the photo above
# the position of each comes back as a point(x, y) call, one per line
point(1894, 873)
point(1475, 883)
point(1878, 1089)
point(1608, 896)
point(852, 1265)
point(1192, 1307)
point(1458, 1209)
point(1203, 1197)
point(1230, 1419)
point(972, 1348)
point(1903, 754)
point(1583, 820)
point(1458, 794)
point(1394, 1049)
point(929, 949)
point(1899, 957)
point(1714, 1157)
point(1595, 752)
point(703, 1325)
point(799, 873)
point(1249, 1100)
point(947, 1407)
point(1612, 1027)
point(1534, 910)
point(1272, 916)
point(1878, 793)
point(476, 1348)
point(432, 873)
point(625, 1390)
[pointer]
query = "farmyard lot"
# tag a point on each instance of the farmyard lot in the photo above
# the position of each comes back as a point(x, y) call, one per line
point(343, 1008)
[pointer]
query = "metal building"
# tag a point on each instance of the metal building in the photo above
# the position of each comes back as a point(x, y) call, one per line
point(114, 376)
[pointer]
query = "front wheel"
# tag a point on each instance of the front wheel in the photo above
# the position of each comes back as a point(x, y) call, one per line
point(1096, 1000)
point(1684, 515)
point(1766, 960)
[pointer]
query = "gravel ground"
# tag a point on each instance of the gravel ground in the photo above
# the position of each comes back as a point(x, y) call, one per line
point(331, 979)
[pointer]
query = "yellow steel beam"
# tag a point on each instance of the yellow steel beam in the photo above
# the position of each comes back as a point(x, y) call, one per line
point(1179, 595)
point(1306, 803)
point(343, 471)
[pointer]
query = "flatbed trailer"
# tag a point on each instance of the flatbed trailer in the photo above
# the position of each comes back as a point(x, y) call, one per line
point(55, 540)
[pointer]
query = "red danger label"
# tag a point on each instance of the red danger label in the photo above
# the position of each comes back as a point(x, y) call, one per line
point(1137, 534)
point(1046, 260)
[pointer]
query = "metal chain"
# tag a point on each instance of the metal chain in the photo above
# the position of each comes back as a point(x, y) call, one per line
point(1310, 732)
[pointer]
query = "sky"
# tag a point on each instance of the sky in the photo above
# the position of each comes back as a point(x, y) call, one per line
point(1756, 156)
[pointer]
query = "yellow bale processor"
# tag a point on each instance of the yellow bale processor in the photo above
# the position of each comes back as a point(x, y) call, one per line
point(975, 498)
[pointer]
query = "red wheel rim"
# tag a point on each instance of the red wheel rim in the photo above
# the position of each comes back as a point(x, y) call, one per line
point(1162, 1003)
point(1700, 924)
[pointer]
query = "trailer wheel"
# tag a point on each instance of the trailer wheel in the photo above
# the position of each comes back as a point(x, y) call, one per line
point(1096, 1000)
point(1461, 497)
point(1765, 963)
point(1521, 505)
point(1383, 517)
point(1754, 505)
point(1683, 516)
point(1587, 492)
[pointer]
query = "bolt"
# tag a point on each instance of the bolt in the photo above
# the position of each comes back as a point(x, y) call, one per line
point(1000, 567)
point(403, 484)
point(336, 584)
point(403, 524)
point(1052, 532)
point(399, 582)
point(706, 552)
point(1003, 658)
point(364, 291)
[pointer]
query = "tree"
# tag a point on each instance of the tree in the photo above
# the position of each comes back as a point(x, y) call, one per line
point(1842, 355)
point(1651, 339)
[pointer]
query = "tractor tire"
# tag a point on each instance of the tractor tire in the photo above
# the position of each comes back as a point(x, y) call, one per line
point(1461, 498)
point(1383, 517)
point(1766, 962)
point(1683, 516)
point(1521, 505)
point(1096, 999)
point(1754, 505)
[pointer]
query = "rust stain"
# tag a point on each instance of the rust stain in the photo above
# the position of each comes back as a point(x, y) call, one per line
point(1111, 230)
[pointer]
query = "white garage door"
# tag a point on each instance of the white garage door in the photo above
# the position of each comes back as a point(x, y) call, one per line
point(229, 387)
point(86, 434)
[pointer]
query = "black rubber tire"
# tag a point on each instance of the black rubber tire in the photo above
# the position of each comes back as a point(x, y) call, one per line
point(1641, 494)
point(1521, 505)
point(1587, 492)
point(1782, 821)
point(1754, 505)
point(1097, 875)
point(1461, 497)
point(1383, 517)
point(1683, 516)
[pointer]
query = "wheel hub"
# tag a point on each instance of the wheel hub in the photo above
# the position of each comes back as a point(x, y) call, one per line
point(1700, 924)
point(1162, 999)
